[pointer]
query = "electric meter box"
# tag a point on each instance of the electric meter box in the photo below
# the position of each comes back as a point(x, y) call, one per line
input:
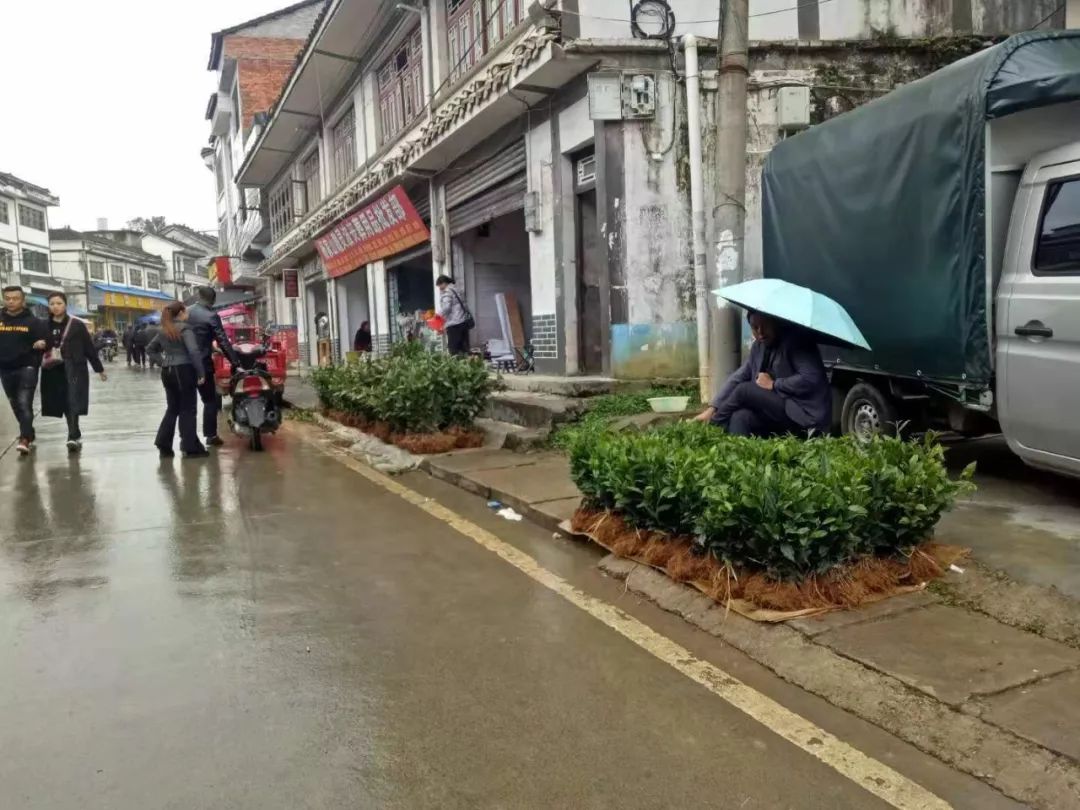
point(793, 108)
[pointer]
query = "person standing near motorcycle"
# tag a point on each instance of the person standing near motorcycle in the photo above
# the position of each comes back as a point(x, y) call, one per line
point(22, 340)
point(176, 350)
point(139, 341)
point(129, 333)
point(207, 326)
point(65, 382)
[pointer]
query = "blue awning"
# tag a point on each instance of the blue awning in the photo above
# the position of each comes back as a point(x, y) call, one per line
point(115, 288)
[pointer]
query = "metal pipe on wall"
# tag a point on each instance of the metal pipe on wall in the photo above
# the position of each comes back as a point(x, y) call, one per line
point(697, 211)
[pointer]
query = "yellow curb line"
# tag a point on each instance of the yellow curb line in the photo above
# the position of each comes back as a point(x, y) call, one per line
point(873, 776)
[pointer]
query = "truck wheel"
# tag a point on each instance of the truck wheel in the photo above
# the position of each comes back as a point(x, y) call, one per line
point(867, 413)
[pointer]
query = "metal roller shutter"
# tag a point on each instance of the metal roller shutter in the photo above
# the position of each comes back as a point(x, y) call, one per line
point(409, 255)
point(421, 201)
point(505, 198)
point(468, 183)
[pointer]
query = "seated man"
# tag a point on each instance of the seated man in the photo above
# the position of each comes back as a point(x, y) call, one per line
point(781, 388)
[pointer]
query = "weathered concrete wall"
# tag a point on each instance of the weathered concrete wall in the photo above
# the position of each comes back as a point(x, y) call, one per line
point(780, 20)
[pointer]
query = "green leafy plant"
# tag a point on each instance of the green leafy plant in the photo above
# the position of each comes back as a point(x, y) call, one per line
point(785, 506)
point(412, 389)
point(602, 409)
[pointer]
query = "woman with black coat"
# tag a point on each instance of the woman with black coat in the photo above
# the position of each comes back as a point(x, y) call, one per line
point(65, 380)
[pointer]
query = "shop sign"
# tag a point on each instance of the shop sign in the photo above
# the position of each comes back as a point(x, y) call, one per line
point(221, 271)
point(126, 301)
point(291, 279)
point(387, 226)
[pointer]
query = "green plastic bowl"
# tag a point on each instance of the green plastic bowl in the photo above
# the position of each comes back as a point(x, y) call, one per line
point(669, 404)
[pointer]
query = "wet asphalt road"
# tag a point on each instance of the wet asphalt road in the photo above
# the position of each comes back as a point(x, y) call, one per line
point(274, 631)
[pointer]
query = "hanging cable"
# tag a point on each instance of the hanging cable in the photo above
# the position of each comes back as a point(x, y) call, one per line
point(652, 19)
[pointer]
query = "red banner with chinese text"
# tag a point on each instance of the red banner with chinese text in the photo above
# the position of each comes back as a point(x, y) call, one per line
point(387, 226)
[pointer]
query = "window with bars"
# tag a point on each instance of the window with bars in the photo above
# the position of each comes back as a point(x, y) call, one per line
point(136, 277)
point(97, 271)
point(475, 27)
point(281, 209)
point(5, 218)
point(344, 135)
point(187, 265)
point(7, 263)
point(31, 218)
point(153, 280)
point(401, 87)
point(116, 274)
point(309, 176)
point(34, 261)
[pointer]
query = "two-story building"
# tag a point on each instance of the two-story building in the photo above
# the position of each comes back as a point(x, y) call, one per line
point(186, 259)
point(538, 152)
point(118, 281)
point(24, 238)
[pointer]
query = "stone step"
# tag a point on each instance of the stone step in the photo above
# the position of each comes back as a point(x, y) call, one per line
point(505, 436)
point(575, 387)
point(532, 410)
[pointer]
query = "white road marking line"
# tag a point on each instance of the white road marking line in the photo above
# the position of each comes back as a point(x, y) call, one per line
point(873, 776)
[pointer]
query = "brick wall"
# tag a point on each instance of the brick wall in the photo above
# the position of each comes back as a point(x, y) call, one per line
point(545, 341)
point(263, 66)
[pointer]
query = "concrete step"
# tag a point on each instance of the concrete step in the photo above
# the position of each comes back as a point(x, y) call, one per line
point(505, 436)
point(532, 410)
point(579, 386)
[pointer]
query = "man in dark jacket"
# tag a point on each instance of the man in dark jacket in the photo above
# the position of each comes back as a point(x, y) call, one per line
point(129, 333)
point(139, 341)
point(22, 340)
point(781, 388)
point(208, 328)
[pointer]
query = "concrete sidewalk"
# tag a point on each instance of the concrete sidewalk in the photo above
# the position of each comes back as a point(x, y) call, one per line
point(995, 700)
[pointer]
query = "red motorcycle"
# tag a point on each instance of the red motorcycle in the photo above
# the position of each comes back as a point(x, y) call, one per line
point(256, 385)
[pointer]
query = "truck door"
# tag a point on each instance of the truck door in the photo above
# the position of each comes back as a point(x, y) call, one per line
point(1039, 321)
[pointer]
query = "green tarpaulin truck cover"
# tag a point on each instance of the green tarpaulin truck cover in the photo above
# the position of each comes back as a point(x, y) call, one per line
point(884, 208)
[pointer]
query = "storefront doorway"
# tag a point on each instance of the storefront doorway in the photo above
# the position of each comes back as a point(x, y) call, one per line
point(591, 263)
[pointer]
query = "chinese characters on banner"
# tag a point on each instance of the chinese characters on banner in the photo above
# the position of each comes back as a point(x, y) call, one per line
point(387, 226)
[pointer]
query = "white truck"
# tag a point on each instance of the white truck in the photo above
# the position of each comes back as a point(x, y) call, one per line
point(945, 216)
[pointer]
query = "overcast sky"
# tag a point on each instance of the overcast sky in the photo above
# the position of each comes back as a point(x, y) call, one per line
point(103, 103)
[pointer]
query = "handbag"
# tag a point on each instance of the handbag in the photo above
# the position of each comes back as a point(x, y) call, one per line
point(468, 323)
point(53, 357)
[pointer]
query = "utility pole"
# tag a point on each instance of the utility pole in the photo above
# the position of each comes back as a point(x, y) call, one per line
point(725, 339)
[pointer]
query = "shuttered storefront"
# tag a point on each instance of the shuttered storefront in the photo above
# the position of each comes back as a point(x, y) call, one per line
point(483, 192)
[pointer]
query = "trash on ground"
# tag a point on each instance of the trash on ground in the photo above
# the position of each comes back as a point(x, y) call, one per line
point(508, 514)
point(495, 505)
point(956, 568)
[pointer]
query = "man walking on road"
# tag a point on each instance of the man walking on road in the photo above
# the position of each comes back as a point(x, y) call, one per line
point(208, 328)
point(22, 340)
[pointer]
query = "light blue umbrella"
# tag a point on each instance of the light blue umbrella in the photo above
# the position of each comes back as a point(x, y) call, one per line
point(811, 310)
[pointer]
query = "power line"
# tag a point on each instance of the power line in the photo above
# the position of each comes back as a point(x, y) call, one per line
point(1048, 17)
point(701, 22)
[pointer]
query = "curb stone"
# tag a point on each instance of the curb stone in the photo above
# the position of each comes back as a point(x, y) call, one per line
point(1020, 769)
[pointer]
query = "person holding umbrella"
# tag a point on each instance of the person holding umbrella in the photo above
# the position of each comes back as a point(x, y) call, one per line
point(782, 387)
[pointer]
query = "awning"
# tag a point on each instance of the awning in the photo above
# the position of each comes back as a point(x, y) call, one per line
point(114, 288)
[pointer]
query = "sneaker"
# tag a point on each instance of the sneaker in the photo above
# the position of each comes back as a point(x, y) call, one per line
point(197, 454)
point(74, 445)
point(23, 447)
point(214, 441)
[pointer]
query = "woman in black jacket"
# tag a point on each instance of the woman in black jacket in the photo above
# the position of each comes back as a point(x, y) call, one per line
point(65, 380)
